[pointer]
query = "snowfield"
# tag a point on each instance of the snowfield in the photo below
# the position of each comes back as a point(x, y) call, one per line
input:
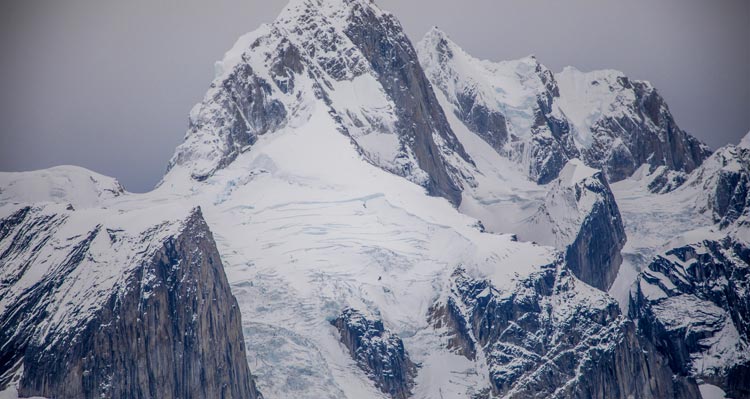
point(319, 202)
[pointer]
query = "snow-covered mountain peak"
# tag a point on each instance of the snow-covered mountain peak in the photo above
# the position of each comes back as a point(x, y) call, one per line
point(498, 84)
point(509, 104)
point(72, 185)
point(328, 55)
point(541, 119)
point(586, 97)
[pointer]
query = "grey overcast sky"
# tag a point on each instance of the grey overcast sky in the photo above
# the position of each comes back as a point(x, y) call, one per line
point(107, 84)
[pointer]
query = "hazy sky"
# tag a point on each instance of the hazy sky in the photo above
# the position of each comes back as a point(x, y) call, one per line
point(108, 84)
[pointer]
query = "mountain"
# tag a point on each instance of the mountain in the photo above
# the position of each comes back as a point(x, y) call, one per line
point(349, 217)
point(542, 119)
point(98, 303)
point(348, 57)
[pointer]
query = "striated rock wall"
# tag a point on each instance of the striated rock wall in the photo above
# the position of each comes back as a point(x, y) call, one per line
point(170, 330)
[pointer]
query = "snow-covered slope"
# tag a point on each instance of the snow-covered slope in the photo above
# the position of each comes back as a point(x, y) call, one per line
point(63, 184)
point(332, 233)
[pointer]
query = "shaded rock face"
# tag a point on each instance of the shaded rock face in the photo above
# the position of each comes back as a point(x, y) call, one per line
point(242, 109)
point(171, 330)
point(693, 303)
point(580, 217)
point(553, 337)
point(319, 54)
point(552, 145)
point(645, 133)
point(378, 352)
point(488, 123)
point(420, 117)
point(595, 254)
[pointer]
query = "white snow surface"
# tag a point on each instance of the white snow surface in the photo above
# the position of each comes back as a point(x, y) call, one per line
point(745, 141)
point(709, 391)
point(62, 184)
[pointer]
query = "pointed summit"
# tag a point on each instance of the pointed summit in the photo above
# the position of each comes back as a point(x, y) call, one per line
point(346, 57)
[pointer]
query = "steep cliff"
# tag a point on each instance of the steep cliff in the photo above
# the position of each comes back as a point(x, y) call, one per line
point(580, 216)
point(96, 304)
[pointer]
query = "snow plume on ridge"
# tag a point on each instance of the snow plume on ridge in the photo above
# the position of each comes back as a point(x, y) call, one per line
point(328, 54)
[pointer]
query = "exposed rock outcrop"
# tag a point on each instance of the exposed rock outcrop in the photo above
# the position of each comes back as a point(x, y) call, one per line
point(510, 105)
point(123, 309)
point(693, 303)
point(554, 337)
point(724, 184)
point(626, 124)
point(378, 352)
point(580, 217)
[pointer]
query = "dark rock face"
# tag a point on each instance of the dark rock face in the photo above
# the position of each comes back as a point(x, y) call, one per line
point(692, 303)
point(488, 124)
point(394, 60)
point(646, 134)
point(585, 223)
point(595, 254)
point(545, 156)
point(378, 352)
point(550, 338)
point(552, 144)
point(247, 110)
point(172, 331)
